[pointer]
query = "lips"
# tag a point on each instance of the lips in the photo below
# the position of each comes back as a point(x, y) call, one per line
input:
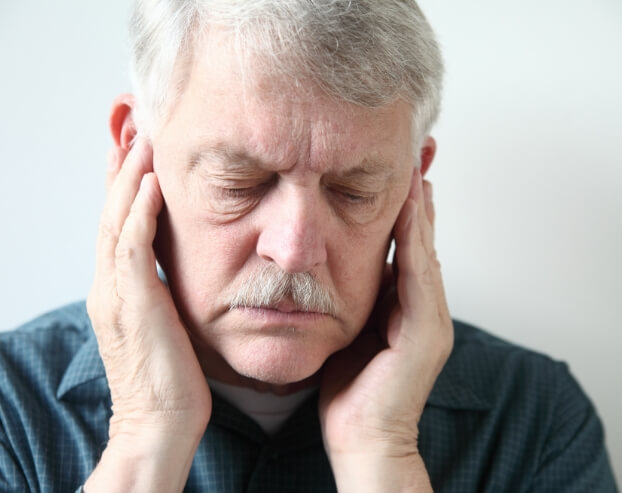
point(284, 312)
point(284, 306)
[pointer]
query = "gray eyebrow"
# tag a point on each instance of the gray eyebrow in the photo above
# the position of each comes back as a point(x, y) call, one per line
point(235, 157)
point(369, 168)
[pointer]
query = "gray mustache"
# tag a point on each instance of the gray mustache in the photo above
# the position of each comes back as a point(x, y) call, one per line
point(270, 285)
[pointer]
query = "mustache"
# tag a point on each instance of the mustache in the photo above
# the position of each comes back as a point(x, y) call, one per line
point(270, 285)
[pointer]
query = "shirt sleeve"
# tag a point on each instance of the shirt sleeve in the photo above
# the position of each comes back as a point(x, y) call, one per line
point(574, 458)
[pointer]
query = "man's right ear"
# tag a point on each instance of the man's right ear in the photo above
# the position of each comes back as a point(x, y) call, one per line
point(122, 125)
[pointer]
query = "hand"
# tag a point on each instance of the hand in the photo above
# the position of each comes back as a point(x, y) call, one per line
point(160, 399)
point(373, 392)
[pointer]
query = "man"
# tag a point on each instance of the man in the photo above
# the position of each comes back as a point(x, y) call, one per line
point(271, 153)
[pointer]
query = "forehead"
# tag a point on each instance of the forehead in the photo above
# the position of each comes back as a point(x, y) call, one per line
point(281, 120)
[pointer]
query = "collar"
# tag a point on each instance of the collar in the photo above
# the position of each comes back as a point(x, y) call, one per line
point(452, 391)
point(464, 384)
point(85, 367)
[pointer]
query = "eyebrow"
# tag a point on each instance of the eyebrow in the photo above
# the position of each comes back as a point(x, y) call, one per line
point(238, 159)
point(368, 168)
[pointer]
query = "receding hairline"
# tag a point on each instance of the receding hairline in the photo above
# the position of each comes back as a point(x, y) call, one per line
point(253, 69)
point(396, 52)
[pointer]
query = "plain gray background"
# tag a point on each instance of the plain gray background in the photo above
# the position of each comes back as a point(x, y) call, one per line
point(527, 178)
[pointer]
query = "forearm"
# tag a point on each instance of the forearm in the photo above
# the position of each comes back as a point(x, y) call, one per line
point(144, 463)
point(363, 473)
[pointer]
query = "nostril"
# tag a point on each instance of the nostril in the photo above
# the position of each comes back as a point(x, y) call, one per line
point(293, 232)
point(293, 251)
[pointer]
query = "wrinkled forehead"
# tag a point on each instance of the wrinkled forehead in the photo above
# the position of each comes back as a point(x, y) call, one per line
point(229, 100)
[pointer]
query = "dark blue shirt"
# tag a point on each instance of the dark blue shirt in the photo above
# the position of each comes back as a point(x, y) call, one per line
point(500, 418)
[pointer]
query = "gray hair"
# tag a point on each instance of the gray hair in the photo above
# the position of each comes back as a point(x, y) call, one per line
point(367, 52)
point(269, 285)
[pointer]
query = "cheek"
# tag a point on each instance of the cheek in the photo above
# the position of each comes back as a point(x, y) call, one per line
point(201, 260)
point(357, 270)
point(359, 261)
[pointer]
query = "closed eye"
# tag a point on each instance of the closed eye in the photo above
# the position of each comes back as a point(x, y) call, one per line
point(354, 198)
point(244, 192)
point(358, 199)
point(237, 193)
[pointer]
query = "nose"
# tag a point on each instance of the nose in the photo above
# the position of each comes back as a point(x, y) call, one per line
point(293, 232)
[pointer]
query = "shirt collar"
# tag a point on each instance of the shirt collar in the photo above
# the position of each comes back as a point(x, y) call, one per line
point(454, 392)
point(85, 367)
point(452, 389)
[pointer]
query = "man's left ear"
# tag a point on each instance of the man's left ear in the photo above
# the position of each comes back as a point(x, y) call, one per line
point(428, 151)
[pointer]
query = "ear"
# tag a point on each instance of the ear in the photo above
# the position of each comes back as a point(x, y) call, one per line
point(122, 125)
point(428, 151)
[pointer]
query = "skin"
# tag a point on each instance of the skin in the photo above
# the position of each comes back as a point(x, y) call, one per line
point(309, 195)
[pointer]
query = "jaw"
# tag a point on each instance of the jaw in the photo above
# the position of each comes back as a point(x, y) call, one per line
point(279, 359)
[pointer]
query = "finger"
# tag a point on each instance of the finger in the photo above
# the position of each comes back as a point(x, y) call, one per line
point(409, 230)
point(134, 255)
point(422, 215)
point(419, 275)
point(429, 205)
point(118, 202)
point(116, 156)
point(430, 210)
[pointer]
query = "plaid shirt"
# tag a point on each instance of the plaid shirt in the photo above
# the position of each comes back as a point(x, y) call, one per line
point(500, 418)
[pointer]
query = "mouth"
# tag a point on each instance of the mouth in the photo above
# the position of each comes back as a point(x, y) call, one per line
point(284, 306)
point(284, 312)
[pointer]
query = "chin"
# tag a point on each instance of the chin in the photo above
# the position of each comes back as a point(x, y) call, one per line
point(277, 360)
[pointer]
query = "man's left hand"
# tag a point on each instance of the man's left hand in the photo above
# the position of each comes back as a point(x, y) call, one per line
point(373, 392)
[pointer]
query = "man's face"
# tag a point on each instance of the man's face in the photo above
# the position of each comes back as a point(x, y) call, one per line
point(253, 176)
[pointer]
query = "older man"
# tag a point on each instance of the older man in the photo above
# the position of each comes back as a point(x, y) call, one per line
point(271, 153)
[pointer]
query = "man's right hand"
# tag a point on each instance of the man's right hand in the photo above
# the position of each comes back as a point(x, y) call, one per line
point(160, 399)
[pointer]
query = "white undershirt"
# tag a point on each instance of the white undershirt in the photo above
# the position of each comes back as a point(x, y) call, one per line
point(269, 410)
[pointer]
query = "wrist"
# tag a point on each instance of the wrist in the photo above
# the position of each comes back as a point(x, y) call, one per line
point(372, 473)
point(157, 425)
point(145, 460)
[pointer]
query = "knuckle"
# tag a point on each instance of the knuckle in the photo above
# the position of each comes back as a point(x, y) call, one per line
point(434, 262)
point(124, 253)
point(427, 275)
point(108, 230)
point(102, 310)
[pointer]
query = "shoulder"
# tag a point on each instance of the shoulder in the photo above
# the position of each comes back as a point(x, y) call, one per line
point(514, 380)
point(53, 402)
point(519, 415)
point(72, 317)
point(62, 329)
point(38, 352)
point(493, 366)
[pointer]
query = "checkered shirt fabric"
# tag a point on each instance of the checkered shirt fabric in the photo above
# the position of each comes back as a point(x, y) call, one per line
point(500, 418)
